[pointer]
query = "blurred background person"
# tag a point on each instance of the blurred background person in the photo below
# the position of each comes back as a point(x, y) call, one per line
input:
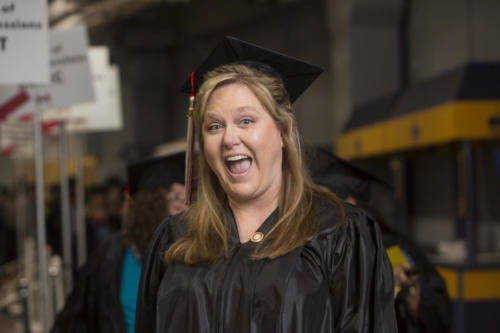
point(115, 196)
point(422, 303)
point(104, 297)
point(96, 216)
point(8, 244)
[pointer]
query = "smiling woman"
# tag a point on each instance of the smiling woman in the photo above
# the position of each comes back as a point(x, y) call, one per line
point(261, 248)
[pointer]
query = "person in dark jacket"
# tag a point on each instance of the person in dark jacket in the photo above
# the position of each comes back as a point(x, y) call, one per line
point(104, 296)
point(422, 303)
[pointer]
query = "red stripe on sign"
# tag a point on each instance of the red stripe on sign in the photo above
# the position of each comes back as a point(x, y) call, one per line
point(7, 151)
point(26, 117)
point(13, 104)
point(48, 125)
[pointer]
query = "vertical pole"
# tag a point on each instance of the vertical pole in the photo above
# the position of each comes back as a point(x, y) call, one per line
point(400, 175)
point(21, 214)
point(461, 195)
point(470, 227)
point(404, 43)
point(40, 218)
point(53, 272)
point(23, 289)
point(65, 213)
point(460, 314)
point(79, 150)
point(459, 190)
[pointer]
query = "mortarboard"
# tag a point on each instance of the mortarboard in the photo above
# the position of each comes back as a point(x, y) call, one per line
point(340, 176)
point(296, 75)
point(156, 172)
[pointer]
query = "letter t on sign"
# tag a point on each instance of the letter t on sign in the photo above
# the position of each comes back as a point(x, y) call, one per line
point(3, 43)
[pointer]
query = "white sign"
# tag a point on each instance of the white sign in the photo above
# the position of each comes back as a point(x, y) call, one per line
point(24, 51)
point(105, 114)
point(71, 80)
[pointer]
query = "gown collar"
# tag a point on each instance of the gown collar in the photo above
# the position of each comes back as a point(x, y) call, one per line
point(264, 228)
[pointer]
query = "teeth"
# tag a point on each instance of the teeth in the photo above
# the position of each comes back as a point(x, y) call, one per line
point(236, 158)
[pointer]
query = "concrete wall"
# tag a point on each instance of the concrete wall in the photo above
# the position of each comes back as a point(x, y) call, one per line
point(448, 33)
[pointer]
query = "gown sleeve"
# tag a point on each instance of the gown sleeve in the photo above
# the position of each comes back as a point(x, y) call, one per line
point(151, 275)
point(75, 316)
point(96, 288)
point(360, 277)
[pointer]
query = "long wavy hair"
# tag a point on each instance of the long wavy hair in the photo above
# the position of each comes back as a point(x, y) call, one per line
point(207, 225)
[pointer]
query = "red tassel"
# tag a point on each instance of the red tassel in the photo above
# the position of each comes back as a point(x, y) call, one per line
point(190, 147)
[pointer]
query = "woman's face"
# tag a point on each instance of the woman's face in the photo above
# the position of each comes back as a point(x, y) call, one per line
point(242, 144)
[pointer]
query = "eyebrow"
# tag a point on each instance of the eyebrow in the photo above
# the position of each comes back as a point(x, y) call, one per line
point(241, 109)
point(211, 115)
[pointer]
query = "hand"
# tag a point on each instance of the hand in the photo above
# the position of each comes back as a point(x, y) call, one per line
point(409, 288)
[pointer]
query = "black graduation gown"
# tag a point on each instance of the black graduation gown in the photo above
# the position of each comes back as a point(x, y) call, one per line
point(94, 304)
point(434, 312)
point(340, 281)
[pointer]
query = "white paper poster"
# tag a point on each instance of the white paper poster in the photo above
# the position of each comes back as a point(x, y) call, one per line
point(71, 79)
point(105, 114)
point(24, 47)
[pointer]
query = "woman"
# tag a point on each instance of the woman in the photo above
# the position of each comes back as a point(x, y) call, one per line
point(261, 249)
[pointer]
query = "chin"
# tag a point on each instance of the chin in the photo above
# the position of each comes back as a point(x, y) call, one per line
point(240, 194)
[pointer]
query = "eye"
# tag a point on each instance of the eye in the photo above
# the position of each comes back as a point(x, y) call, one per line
point(213, 127)
point(246, 121)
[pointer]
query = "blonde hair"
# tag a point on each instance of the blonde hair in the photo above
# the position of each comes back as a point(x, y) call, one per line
point(207, 227)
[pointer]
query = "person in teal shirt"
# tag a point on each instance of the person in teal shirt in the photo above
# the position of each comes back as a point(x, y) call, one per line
point(105, 293)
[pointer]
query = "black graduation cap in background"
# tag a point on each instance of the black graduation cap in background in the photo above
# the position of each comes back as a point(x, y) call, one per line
point(156, 172)
point(296, 74)
point(340, 176)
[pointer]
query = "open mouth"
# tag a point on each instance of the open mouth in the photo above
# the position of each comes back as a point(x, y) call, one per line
point(238, 164)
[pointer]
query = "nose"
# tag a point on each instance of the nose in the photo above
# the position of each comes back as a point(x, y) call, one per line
point(231, 136)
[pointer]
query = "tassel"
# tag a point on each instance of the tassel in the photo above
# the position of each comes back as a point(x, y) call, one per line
point(190, 147)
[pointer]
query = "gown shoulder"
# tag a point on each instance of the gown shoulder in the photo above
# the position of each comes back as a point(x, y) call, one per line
point(358, 269)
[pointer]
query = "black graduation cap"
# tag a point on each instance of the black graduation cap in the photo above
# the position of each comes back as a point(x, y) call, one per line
point(296, 74)
point(340, 176)
point(156, 172)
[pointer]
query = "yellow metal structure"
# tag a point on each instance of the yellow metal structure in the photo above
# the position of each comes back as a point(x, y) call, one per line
point(51, 171)
point(447, 122)
point(473, 284)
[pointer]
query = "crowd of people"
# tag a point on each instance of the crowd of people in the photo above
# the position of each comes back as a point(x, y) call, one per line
point(103, 213)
